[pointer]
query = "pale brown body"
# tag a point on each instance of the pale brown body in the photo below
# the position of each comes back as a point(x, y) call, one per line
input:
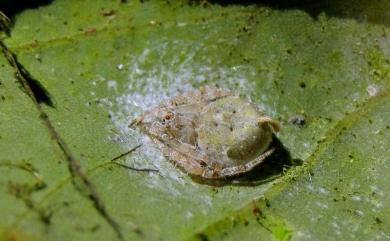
point(210, 132)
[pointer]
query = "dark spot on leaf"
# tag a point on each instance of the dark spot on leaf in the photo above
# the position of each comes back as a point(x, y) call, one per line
point(45, 216)
point(89, 30)
point(302, 85)
point(298, 120)
point(378, 220)
point(267, 203)
point(328, 119)
point(256, 211)
point(202, 237)
point(108, 13)
point(321, 141)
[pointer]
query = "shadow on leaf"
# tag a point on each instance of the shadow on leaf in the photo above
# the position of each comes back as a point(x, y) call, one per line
point(13, 7)
point(376, 11)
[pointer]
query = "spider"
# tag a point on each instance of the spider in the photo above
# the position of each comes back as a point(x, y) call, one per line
point(210, 132)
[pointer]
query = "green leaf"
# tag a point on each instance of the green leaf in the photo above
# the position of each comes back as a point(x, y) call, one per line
point(101, 63)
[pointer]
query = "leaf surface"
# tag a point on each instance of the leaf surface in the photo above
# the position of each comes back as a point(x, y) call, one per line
point(104, 62)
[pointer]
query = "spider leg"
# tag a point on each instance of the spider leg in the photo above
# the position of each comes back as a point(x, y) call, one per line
point(233, 171)
point(136, 121)
point(126, 153)
point(199, 164)
point(265, 119)
point(186, 157)
point(115, 159)
point(135, 168)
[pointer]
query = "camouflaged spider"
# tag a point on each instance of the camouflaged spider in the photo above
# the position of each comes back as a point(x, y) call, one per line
point(210, 132)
